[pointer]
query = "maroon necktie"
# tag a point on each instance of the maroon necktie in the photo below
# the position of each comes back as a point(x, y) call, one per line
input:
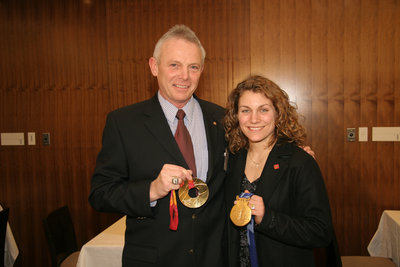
point(185, 144)
point(184, 141)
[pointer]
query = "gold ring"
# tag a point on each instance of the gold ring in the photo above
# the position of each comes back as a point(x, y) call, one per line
point(253, 207)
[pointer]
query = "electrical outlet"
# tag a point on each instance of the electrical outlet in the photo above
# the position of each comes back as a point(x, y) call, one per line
point(351, 134)
point(46, 139)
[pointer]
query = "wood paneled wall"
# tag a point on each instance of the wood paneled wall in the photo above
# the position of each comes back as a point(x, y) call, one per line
point(340, 62)
point(65, 64)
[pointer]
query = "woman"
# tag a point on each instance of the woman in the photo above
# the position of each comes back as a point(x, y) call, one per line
point(289, 204)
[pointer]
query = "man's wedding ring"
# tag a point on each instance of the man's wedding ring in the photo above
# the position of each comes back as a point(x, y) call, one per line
point(253, 207)
point(175, 181)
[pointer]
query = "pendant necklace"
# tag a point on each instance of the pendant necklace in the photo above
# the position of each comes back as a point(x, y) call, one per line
point(255, 163)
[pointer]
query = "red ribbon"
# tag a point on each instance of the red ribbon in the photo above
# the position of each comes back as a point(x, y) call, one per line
point(173, 207)
point(173, 212)
point(190, 183)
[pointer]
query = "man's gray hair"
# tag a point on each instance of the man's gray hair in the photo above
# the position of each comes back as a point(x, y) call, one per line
point(179, 32)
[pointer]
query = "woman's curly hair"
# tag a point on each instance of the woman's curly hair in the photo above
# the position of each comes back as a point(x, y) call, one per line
point(287, 126)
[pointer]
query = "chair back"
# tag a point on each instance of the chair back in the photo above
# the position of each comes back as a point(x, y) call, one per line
point(333, 257)
point(60, 234)
point(3, 228)
point(328, 256)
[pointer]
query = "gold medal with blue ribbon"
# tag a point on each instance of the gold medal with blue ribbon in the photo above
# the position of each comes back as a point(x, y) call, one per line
point(241, 213)
point(241, 216)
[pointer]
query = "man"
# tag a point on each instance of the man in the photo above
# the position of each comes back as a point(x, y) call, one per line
point(140, 163)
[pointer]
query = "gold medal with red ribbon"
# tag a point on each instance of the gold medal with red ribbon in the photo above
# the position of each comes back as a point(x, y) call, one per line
point(201, 193)
point(184, 196)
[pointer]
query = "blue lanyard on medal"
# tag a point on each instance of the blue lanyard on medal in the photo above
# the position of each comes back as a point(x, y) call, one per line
point(250, 236)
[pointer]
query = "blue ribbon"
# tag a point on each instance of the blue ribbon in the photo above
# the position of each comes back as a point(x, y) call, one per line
point(250, 236)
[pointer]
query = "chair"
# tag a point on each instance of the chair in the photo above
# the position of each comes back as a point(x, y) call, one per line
point(3, 228)
point(334, 259)
point(60, 234)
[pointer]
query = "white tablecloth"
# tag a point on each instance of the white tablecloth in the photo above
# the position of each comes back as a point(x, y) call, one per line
point(10, 247)
point(386, 241)
point(105, 249)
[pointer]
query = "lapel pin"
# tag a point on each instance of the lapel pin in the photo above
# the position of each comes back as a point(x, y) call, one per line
point(215, 123)
point(276, 166)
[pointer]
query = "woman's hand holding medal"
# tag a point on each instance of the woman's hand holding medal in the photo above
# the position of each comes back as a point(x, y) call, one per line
point(244, 208)
point(256, 204)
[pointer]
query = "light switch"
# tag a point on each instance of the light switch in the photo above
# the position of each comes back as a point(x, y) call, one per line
point(362, 134)
point(31, 138)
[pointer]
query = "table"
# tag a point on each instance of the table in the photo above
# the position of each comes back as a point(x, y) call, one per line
point(105, 249)
point(10, 247)
point(386, 241)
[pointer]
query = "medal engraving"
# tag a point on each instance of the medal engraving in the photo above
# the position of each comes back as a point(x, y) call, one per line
point(199, 200)
point(241, 212)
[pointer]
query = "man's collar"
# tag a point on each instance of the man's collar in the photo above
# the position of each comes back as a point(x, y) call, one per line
point(170, 110)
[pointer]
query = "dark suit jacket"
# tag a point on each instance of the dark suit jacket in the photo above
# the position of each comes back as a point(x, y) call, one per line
point(297, 213)
point(137, 142)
